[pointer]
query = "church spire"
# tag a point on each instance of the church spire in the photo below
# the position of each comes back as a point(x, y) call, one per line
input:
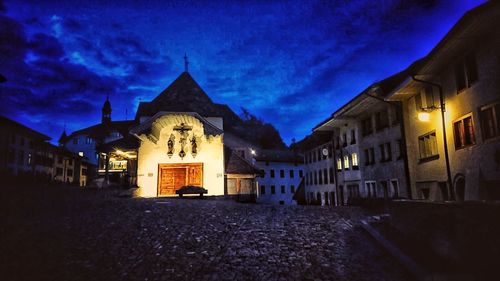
point(185, 62)
point(106, 111)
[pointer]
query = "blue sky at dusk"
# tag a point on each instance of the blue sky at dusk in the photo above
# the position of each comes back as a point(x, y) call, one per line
point(291, 63)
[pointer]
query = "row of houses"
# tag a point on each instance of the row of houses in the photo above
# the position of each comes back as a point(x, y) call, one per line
point(26, 154)
point(429, 132)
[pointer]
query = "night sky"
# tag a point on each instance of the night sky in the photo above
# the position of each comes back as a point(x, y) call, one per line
point(291, 63)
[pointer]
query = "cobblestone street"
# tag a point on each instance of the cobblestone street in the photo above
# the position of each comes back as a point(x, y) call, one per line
point(62, 233)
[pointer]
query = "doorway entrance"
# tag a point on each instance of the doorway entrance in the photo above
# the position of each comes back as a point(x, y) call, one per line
point(171, 177)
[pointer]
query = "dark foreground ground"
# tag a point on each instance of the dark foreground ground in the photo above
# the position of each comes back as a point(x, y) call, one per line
point(63, 233)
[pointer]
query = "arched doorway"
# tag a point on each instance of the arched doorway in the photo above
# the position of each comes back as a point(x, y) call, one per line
point(459, 184)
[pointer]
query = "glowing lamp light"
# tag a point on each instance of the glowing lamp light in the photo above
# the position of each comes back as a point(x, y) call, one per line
point(424, 116)
point(253, 152)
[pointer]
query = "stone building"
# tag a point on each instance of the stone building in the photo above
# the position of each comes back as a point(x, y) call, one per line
point(319, 175)
point(85, 141)
point(368, 145)
point(456, 87)
point(26, 153)
point(281, 174)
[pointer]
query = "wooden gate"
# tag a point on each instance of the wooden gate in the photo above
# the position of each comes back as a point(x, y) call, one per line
point(171, 177)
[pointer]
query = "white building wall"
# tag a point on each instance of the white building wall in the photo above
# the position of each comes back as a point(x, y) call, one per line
point(326, 190)
point(265, 183)
point(151, 155)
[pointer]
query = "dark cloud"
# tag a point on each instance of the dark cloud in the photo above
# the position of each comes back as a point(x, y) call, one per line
point(46, 45)
point(291, 63)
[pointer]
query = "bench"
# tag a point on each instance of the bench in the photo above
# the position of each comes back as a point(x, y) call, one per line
point(189, 189)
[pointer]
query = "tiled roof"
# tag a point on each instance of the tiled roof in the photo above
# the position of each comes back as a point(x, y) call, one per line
point(14, 126)
point(236, 164)
point(101, 130)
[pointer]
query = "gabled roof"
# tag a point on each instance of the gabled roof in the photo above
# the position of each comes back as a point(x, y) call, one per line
point(183, 95)
point(102, 130)
point(14, 126)
point(235, 164)
point(209, 128)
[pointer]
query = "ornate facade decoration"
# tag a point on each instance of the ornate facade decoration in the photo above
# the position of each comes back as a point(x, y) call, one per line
point(170, 145)
point(194, 146)
point(183, 129)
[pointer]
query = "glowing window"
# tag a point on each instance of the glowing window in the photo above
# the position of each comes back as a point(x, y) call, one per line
point(346, 162)
point(354, 157)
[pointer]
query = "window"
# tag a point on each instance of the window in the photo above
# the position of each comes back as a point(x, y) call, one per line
point(292, 188)
point(337, 142)
point(330, 151)
point(367, 157)
point(396, 114)
point(325, 176)
point(385, 152)
point(59, 171)
point(319, 153)
point(354, 159)
point(381, 120)
point(320, 176)
point(464, 132)
point(272, 173)
point(339, 164)
point(267, 163)
point(70, 161)
point(315, 178)
point(70, 172)
point(366, 126)
point(310, 178)
point(353, 137)
point(427, 145)
point(20, 157)
point(273, 189)
point(282, 173)
point(282, 189)
point(59, 159)
point(75, 140)
point(29, 158)
point(490, 121)
point(292, 174)
point(344, 138)
point(466, 73)
point(372, 155)
point(401, 149)
point(346, 162)
point(263, 172)
point(88, 140)
point(12, 155)
point(331, 175)
point(301, 173)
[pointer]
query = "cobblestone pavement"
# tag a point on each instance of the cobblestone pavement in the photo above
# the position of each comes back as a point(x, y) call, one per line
point(62, 233)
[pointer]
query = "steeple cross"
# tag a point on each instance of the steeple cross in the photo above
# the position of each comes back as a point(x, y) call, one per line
point(186, 62)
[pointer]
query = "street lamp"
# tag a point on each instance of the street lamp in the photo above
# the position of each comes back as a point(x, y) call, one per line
point(443, 123)
point(424, 116)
